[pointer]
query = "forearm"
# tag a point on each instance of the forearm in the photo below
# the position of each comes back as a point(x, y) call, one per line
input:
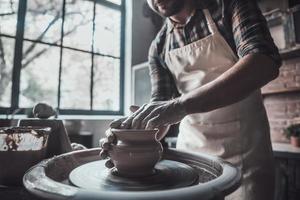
point(246, 76)
point(161, 84)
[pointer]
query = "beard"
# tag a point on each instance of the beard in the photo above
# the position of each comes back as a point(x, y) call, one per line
point(166, 8)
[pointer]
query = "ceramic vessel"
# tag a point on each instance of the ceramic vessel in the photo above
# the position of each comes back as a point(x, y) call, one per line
point(20, 149)
point(136, 152)
point(162, 132)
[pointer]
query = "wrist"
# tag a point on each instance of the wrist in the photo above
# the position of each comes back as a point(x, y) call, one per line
point(182, 103)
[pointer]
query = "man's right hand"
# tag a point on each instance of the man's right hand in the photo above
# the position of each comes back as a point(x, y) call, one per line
point(117, 123)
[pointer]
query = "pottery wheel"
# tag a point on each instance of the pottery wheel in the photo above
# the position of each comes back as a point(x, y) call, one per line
point(168, 174)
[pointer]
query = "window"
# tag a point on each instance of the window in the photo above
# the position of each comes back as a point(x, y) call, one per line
point(67, 53)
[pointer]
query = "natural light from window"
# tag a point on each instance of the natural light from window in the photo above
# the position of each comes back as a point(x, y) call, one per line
point(71, 57)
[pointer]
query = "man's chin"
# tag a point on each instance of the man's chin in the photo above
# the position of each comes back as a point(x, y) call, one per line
point(164, 13)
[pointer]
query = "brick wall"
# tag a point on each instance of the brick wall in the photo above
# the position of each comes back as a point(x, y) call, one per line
point(282, 99)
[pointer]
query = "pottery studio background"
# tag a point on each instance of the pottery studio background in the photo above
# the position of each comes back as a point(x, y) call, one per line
point(88, 60)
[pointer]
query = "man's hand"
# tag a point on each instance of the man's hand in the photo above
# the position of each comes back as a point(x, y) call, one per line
point(156, 114)
point(159, 115)
point(106, 145)
point(110, 139)
point(117, 123)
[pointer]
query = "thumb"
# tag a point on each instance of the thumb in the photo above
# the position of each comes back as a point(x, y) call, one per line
point(133, 108)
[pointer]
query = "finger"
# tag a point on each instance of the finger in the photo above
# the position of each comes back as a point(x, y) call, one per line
point(106, 146)
point(103, 154)
point(108, 132)
point(153, 123)
point(127, 123)
point(101, 141)
point(109, 164)
point(152, 115)
point(117, 123)
point(133, 108)
point(111, 138)
point(137, 121)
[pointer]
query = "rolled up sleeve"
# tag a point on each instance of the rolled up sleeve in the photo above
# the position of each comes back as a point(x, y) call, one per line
point(250, 30)
point(161, 83)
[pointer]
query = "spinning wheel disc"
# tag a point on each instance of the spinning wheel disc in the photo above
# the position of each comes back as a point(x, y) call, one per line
point(168, 174)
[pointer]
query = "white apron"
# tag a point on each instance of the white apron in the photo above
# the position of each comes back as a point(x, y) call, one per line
point(238, 133)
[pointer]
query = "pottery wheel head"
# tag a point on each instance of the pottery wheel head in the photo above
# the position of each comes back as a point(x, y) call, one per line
point(168, 175)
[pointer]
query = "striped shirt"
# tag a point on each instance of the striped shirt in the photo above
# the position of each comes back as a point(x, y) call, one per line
point(239, 21)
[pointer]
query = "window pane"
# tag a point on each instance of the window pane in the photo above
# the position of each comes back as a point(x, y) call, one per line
point(106, 84)
point(78, 25)
point(107, 31)
point(39, 76)
point(75, 85)
point(6, 65)
point(8, 16)
point(116, 1)
point(43, 20)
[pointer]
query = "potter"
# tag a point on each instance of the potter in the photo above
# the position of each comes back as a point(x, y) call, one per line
point(207, 65)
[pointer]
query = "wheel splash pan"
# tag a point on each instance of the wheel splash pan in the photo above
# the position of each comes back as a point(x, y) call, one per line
point(49, 178)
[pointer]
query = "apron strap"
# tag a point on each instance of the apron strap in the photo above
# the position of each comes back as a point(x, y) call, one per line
point(211, 26)
point(167, 45)
point(210, 22)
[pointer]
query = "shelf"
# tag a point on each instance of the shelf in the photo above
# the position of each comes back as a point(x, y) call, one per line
point(285, 147)
point(281, 91)
point(290, 53)
point(282, 150)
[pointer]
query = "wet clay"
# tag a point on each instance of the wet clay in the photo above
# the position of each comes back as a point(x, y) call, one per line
point(20, 149)
point(58, 141)
point(23, 138)
point(136, 152)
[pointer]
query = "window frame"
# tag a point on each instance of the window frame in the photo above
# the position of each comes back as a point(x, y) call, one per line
point(18, 51)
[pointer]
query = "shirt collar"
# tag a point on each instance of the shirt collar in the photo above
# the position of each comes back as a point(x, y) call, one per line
point(200, 5)
point(172, 24)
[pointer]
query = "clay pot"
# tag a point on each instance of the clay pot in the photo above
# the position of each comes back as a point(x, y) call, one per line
point(295, 141)
point(162, 131)
point(136, 152)
point(20, 149)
